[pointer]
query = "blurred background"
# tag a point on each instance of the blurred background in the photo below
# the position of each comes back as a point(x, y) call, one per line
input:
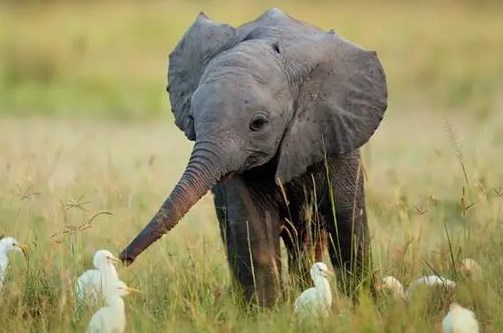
point(109, 58)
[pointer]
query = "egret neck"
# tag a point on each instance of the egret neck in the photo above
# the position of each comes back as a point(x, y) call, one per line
point(323, 289)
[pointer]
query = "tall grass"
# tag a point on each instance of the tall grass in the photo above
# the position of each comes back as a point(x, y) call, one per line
point(64, 173)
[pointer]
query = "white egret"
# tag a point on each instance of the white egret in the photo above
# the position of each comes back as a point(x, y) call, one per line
point(92, 284)
point(430, 281)
point(471, 268)
point(398, 291)
point(111, 318)
point(8, 244)
point(459, 320)
point(392, 284)
point(468, 266)
point(315, 301)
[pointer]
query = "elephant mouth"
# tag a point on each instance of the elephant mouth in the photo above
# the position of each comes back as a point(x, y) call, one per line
point(226, 177)
point(255, 159)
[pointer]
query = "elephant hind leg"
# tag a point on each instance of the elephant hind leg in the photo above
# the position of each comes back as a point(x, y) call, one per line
point(305, 246)
point(320, 245)
point(297, 267)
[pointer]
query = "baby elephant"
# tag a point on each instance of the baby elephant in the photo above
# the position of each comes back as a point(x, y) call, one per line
point(277, 109)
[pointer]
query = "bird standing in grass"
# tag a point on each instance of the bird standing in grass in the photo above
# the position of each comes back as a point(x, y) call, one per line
point(430, 281)
point(391, 283)
point(471, 269)
point(468, 266)
point(111, 318)
point(315, 301)
point(459, 320)
point(93, 283)
point(8, 244)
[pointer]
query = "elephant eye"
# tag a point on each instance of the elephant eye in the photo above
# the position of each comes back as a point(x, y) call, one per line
point(258, 122)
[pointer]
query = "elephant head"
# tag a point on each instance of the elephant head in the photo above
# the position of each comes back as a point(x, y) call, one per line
point(275, 89)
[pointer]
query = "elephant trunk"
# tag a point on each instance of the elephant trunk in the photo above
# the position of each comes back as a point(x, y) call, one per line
point(203, 171)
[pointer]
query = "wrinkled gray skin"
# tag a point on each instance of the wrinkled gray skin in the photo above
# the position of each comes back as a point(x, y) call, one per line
point(265, 104)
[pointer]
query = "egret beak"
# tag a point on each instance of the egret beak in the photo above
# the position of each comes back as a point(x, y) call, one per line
point(132, 290)
point(114, 259)
point(24, 248)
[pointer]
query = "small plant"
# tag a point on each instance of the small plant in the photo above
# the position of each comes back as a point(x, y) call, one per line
point(70, 230)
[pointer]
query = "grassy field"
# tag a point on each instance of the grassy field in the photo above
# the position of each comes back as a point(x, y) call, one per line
point(56, 173)
point(86, 135)
point(108, 58)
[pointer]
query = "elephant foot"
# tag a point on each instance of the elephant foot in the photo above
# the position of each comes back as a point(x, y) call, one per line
point(265, 289)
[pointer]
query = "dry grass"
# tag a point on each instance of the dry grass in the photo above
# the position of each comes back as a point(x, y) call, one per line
point(61, 173)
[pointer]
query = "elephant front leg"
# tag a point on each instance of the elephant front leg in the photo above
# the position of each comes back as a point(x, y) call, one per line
point(349, 241)
point(251, 236)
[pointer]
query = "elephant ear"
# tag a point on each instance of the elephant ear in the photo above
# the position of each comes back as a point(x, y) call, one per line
point(341, 100)
point(203, 41)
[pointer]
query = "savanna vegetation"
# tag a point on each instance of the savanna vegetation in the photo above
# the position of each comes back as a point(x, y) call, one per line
point(88, 151)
